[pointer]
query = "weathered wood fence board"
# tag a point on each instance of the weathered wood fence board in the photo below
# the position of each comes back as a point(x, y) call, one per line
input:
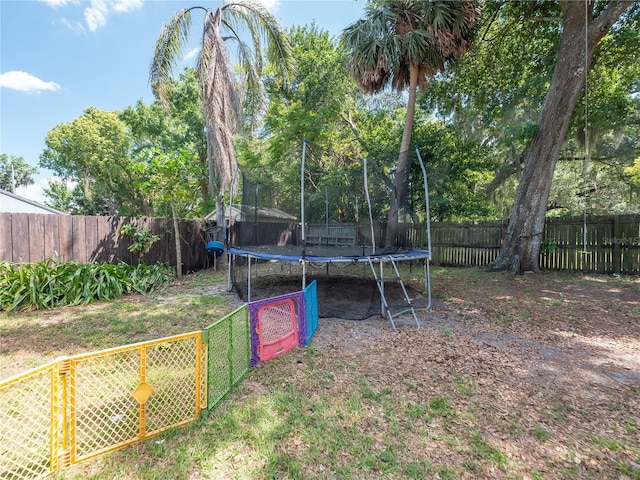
point(466, 244)
point(31, 237)
point(612, 243)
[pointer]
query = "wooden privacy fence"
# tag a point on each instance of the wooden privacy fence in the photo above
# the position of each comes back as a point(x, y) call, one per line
point(612, 242)
point(263, 233)
point(32, 237)
point(466, 244)
point(608, 244)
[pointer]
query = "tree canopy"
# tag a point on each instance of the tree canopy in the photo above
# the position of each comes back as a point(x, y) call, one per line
point(108, 159)
point(15, 172)
point(401, 43)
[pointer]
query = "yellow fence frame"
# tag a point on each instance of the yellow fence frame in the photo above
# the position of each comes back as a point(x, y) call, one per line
point(99, 402)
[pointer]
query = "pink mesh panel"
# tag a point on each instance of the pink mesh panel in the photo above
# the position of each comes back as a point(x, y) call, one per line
point(277, 328)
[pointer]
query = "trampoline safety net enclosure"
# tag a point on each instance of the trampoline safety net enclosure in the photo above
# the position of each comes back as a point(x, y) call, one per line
point(327, 214)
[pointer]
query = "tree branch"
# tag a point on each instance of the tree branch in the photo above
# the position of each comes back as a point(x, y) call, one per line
point(609, 16)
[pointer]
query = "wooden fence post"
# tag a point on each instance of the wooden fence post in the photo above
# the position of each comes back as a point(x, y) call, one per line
point(617, 245)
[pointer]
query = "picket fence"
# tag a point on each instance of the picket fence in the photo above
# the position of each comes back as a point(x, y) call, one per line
point(605, 244)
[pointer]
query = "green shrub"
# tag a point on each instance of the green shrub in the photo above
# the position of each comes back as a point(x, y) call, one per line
point(51, 283)
point(142, 238)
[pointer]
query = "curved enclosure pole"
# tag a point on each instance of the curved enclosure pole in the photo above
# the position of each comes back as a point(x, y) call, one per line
point(227, 232)
point(427, 280)
point(366, 191)
point(587, 154)
point(249, 278)
point(426, 199)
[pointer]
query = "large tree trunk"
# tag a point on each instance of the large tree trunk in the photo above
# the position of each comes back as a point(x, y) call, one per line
point(402, 172)
point(521, 248)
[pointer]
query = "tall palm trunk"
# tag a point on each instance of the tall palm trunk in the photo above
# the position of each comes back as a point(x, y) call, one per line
point(402, 172)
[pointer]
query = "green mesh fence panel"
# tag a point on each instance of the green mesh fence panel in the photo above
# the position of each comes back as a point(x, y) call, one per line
point(229, 354)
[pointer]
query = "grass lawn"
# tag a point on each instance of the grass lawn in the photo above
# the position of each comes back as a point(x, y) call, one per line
point(533, 377)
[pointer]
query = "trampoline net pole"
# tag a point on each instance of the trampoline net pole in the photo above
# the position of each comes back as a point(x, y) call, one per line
point(227, 231)
point(426, 199)
point(366, 192)
point(304, 153)
point(427, 279)
point(249, 278)
point(304, 274)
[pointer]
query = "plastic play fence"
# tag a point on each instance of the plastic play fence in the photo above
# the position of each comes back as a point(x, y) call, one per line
point(83, 406)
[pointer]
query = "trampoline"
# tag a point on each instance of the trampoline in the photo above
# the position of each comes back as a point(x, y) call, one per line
point(307, 243)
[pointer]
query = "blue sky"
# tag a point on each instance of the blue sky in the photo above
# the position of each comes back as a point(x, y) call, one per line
point(58, 57)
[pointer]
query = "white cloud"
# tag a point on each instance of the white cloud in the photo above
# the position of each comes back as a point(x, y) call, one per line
point(32, 192)
point(25, 82)
point(60, 3)
point(192, 53)
point(125, 6)
point(72, 25)
point(35, 191)
point(96, 15)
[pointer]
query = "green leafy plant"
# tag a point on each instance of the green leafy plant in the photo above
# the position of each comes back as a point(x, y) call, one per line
point(548, 246)
point(52, 283)
point(142, 238)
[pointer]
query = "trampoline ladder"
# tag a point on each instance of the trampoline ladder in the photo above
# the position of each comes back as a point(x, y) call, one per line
point(380, 281)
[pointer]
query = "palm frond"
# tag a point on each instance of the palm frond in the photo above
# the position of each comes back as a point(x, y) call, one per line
point(167, 53)
point(221, 99)
point(221, 89)
point(262, 25)
point(395, 35)
point(254, 101)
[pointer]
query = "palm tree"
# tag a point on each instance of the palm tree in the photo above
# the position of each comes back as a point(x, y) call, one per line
point(225, 95)
point(401, 43)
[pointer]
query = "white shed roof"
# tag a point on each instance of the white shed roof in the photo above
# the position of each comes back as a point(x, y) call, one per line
point(12, 203)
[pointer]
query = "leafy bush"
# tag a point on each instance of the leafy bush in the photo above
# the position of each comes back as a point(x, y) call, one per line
point(51, 283)
point(143, 238)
